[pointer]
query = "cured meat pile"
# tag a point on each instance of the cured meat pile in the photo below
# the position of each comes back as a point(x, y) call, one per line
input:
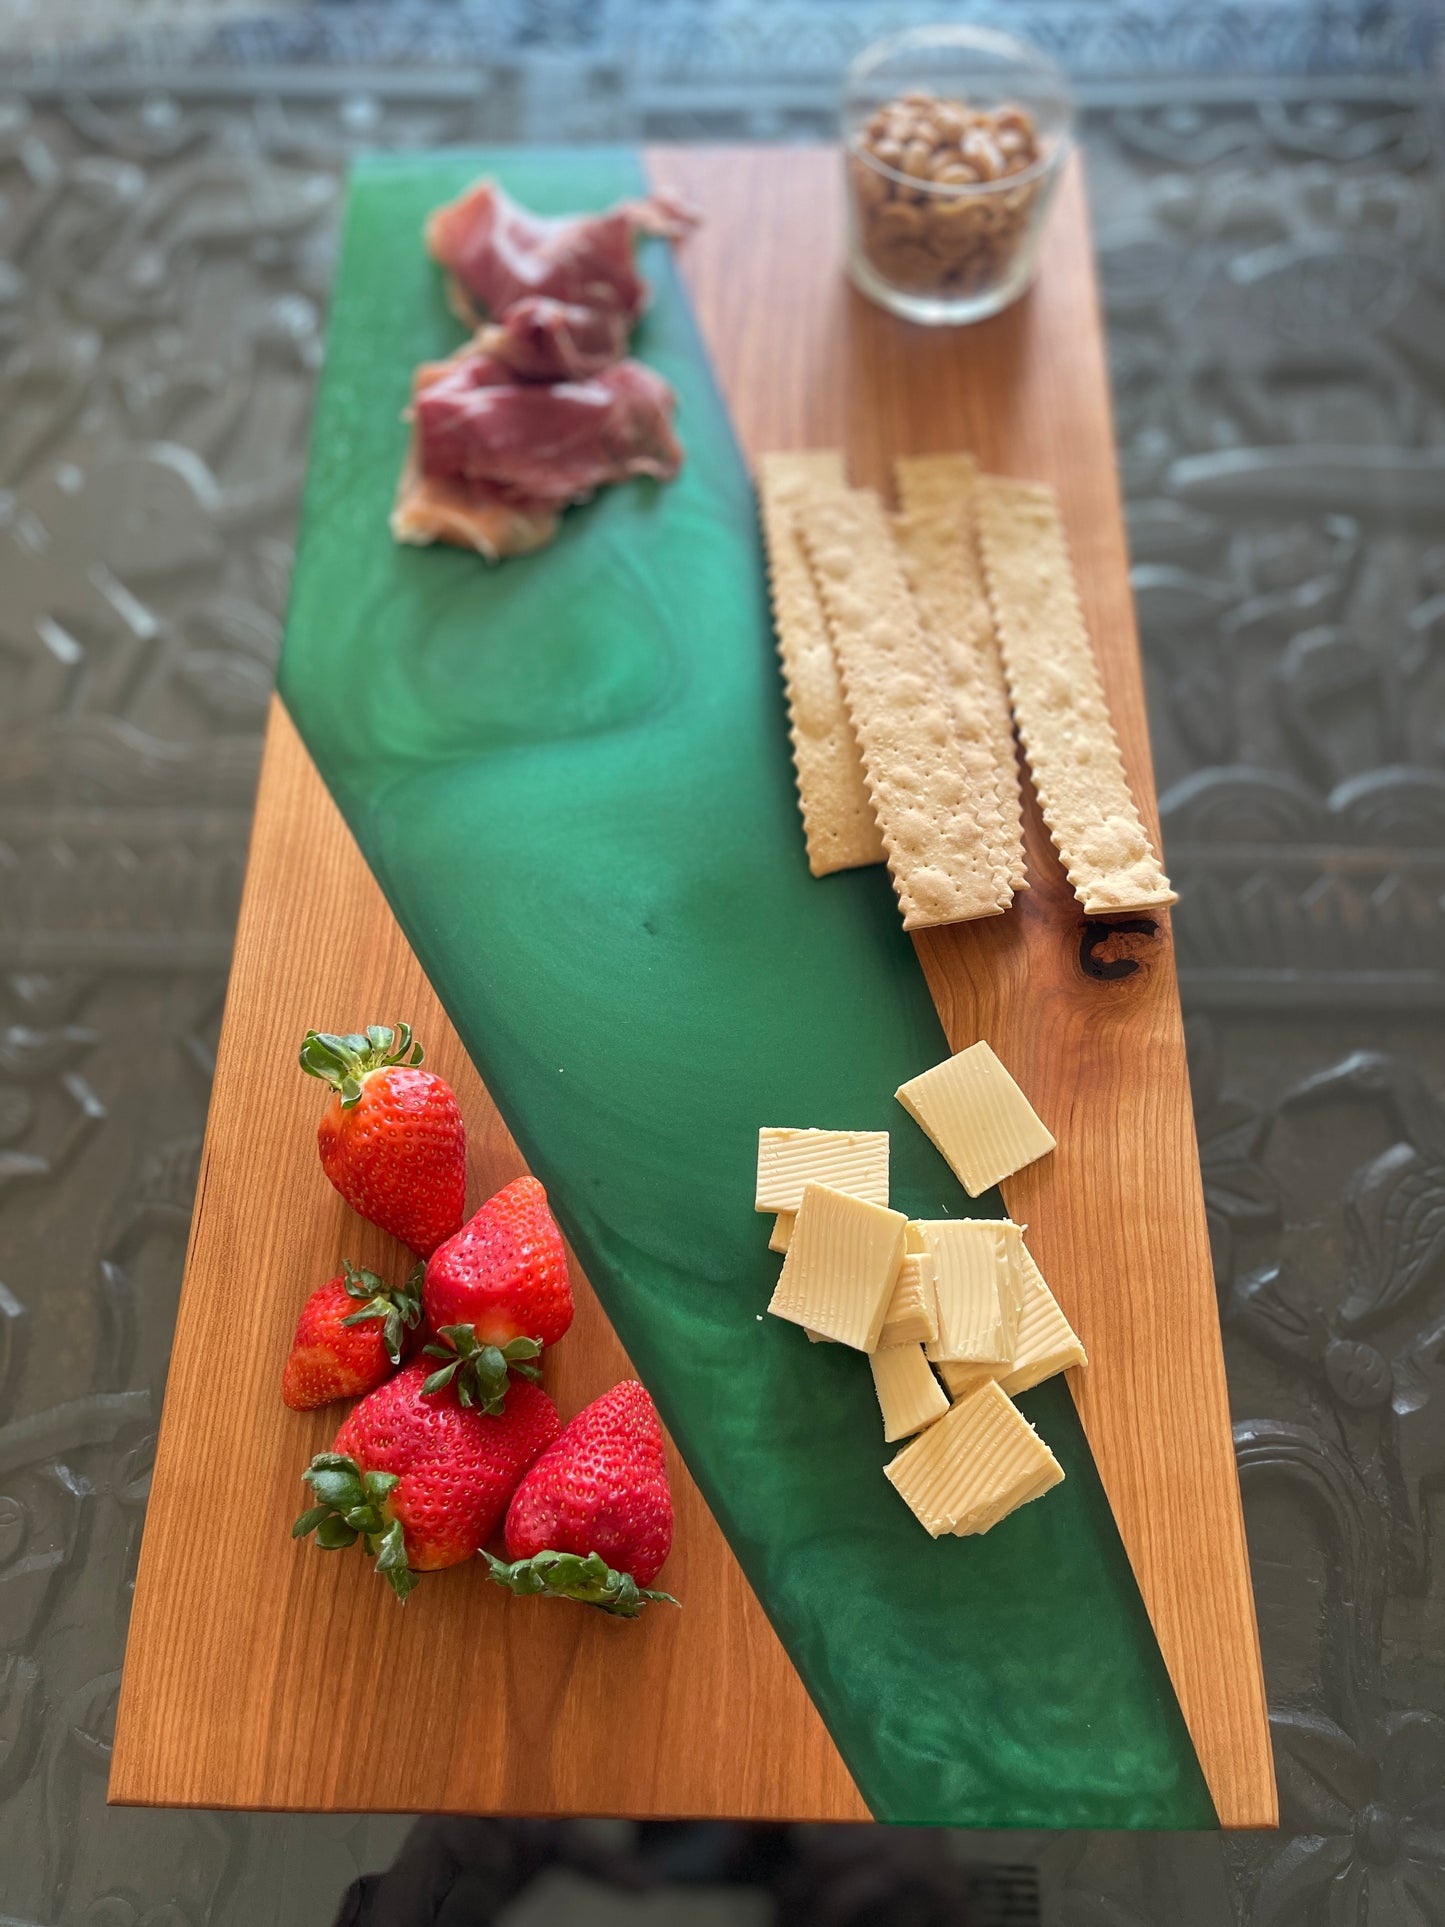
point(542, 407)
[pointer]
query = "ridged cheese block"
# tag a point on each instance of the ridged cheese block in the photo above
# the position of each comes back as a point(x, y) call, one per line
point(842, 1264)
point(977, 1116)
point(975, 1466)
point(852, 1161)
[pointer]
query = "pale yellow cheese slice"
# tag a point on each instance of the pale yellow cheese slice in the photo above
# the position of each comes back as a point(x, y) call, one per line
point(1009, 1257)
point(977, 1305)
point(852, 1161)
point(909, 1396)
point(782, 1231)
point(974, 1466)
point(977, 1116)
point(1046, 1343)
point(913, 1310)
point(914, 1238)
point(1010, 1501)
point(962, 1379)
point(842, 1264)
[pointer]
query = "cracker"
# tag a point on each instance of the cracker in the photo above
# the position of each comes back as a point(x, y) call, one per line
point(838, 823)
point(1058, 702)
point(934, 484)
point(916, 776)
point(938, 569)
point(947, 582)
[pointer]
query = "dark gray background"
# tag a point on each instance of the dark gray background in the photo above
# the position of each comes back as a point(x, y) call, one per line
point(1268, 200)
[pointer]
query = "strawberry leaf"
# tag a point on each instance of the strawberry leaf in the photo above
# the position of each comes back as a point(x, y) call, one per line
point(343, 1061)
point(336, 1489)
point(352, 1506)
point(585, 1577)
point(391, 1560)
point(398, 1307)
point(483, 1372)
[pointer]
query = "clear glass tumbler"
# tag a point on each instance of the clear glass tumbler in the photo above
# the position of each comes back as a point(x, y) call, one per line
point(953, 141)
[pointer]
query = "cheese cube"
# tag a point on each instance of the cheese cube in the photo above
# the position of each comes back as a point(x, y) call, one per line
point(913, 1310)
point(842, 1264)
point(975, 1272)
point(974, 1466)
point(782, 1231)
point(852, 1161)
point(977, 1116)
point(909, 1396)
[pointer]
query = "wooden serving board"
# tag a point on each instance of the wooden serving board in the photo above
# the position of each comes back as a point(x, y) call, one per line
point(279, 1705)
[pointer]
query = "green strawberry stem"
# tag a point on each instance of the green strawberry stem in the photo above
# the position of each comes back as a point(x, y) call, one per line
point(572, 1575)
point(481, 1372)
point(350, 1506)
point(342, 1062)
point(399, 1307)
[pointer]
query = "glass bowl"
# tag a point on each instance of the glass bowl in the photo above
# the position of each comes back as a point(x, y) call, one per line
point(953, 141)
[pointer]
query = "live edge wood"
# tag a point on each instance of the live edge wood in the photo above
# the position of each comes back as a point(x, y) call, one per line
point(271, 1699)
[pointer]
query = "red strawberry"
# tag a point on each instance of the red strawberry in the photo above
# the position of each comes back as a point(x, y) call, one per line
point(340, 1351)
point(498, 1292)
point(391, 1139)
point(420, 1478)
point(592, 1520)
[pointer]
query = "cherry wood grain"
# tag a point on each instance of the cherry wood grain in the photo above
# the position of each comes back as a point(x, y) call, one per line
point(261, 1674)
point(1116, 1215)
point(261, 1686)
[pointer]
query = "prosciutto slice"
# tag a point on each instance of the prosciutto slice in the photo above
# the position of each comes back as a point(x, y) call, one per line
point(541, 339)
point(497, 253)
point(540, 409)
point(553, 443)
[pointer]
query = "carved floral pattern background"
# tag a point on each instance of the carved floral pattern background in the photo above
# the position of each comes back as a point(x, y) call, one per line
point(1275, 285)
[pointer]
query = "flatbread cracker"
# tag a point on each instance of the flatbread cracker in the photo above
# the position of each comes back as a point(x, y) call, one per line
point(934, 484)
point(932, 550)
point(949, 588)
point(838, 823)
point(917, 779)
point(1058, 702)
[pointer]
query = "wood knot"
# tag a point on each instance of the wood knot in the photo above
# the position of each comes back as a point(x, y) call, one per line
point(1108, 951)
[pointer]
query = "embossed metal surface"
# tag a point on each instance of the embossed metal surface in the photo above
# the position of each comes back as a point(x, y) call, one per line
point(1276, 291)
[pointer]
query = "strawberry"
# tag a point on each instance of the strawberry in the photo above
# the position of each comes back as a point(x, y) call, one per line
point(391, 1138)
point(420, 1478)
point(498, 1292)
point(592, 1520)
point(340, 1351)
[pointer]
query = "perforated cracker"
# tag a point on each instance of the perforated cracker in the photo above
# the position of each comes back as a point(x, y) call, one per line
point(939, 544)
point(934, 484)
point(1058, 702)
point(838, 823)
point(933, 555)
point(917, 780)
